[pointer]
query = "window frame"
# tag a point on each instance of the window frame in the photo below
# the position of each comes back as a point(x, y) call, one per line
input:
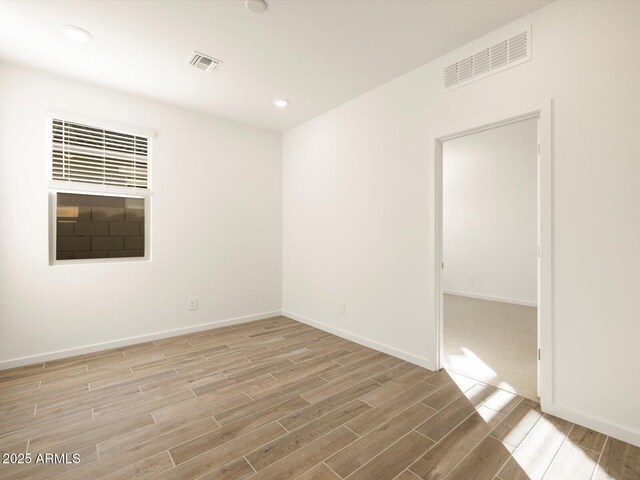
point(63, 186)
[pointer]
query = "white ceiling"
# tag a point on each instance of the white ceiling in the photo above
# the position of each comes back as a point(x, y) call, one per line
point(315, 53)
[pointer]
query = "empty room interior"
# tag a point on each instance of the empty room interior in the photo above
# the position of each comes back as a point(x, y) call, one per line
point(489, 246)
point(319, 239)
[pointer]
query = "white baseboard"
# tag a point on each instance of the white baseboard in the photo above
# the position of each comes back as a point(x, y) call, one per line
point(492, 298)
point(409, 357)
point(47, 357)
point(614, 430)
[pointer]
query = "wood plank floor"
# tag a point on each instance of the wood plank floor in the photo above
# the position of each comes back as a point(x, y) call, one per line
point(277, 399)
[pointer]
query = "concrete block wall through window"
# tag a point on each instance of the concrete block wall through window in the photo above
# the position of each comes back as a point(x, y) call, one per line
point(99, 226)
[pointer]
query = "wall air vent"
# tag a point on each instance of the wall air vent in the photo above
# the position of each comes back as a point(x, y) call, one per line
point(203, 62)
point(495, 58)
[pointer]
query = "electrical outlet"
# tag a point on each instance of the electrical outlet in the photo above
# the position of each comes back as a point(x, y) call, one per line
point(342, 307)
point(192, 303)
point(470, 279)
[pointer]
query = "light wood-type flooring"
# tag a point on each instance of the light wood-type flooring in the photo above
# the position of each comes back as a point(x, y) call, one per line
point(277, 399)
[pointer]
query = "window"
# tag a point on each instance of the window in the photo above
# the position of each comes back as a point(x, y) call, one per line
point(97, 226)
point(99, 193)
point(92, 155)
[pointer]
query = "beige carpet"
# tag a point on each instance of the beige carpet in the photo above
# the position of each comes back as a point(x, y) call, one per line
point(492, 342)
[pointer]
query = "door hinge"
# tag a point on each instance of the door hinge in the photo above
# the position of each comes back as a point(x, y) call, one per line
point(443, 265)
point(538, 354)
point(538, 149)
point(539, 251)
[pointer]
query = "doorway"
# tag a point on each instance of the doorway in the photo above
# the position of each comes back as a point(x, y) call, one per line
point(489, 252)
point(543, 112)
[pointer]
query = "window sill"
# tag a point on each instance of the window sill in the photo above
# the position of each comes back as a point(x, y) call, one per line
point(93, 261)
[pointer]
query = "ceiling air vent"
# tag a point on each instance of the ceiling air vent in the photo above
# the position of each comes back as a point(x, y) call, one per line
point(203, 62)
point(493, 59)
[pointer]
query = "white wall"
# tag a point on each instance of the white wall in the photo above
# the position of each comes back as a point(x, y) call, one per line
point(490, 214)
point(216, 225)
point(356, 204)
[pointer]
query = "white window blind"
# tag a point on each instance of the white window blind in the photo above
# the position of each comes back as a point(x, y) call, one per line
point(82, 153)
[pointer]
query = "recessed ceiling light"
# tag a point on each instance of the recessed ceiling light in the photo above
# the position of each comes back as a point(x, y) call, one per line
point(280, 102)
point(256, 6)
point(77, 34)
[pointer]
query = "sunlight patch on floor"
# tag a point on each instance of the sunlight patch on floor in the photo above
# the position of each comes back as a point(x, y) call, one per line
point(468, 361)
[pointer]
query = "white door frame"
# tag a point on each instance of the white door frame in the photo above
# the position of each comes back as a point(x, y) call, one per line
point(541, 111)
